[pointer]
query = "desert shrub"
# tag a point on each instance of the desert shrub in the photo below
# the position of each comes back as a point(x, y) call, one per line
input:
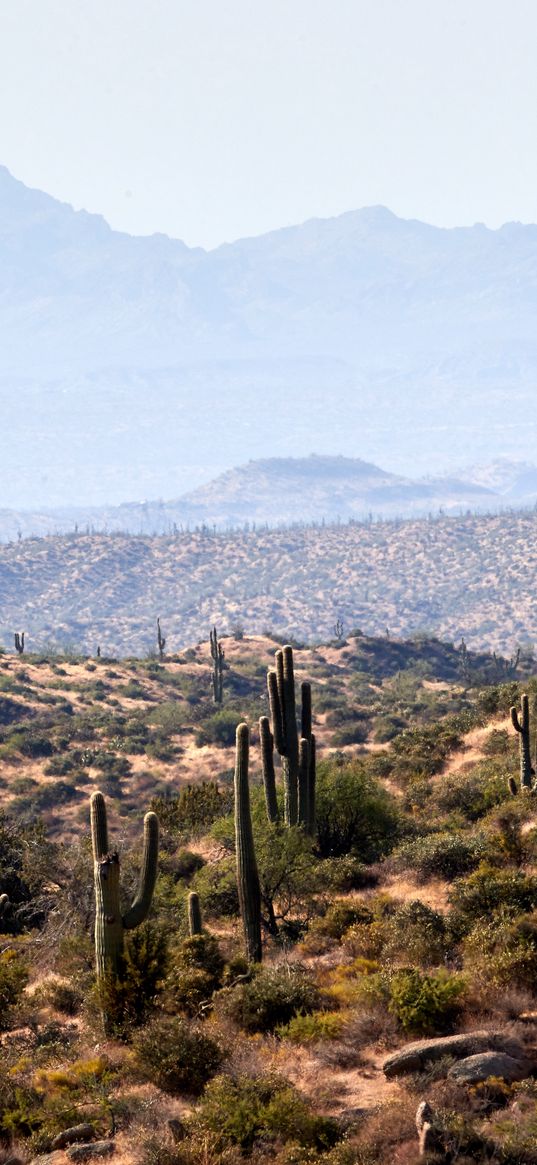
point(219, 728)
point(36, 744)
point(61, 765)
point(422, 751)
point(132, 993)
point(340, 915)
point(243, 1111)
point(472, 794)
point(192, 813)
point(196, 972)
point(498, 743)
point(347, 873)
point(176, 1055)
point(272, 997)
point(415, 931)
point(354, 813)
point(440, 855)
point(425, 1004)
point(503, 952)
point(59, 994)
point(13, 980)
point(216, 885)
point(387, 727)
point(186, 864)
point(488, 890)
point(305, 1029)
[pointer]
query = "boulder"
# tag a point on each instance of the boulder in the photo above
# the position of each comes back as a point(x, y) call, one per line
point(72, 1135)
point(85, 1152)
point(475, 1069)
point(414, 1057)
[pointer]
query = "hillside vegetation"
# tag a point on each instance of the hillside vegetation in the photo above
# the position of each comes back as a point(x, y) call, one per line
point(471, 576)
point(408, 912)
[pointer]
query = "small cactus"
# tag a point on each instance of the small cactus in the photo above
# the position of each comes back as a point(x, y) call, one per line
point(217, 656)
point(194, 914)
point(110, 923)
point(521, 724)
point(247, 874)
point(19, 642)
point(161, 642)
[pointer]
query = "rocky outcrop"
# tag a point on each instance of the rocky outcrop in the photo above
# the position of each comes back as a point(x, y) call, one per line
point(476, 1069)
point(414, 1057)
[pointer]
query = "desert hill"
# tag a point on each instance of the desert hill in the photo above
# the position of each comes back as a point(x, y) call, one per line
point(468, 576)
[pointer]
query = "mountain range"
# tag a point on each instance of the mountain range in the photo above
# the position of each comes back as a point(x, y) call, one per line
point(284, 491)
point(141, 368)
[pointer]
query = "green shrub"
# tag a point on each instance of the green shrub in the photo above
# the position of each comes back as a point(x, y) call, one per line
point(488, 890)
point(272, 997)
point(216, 885)
point(340, 915)
point(218, 729)
point(186, 864)
point(425, 1004)
point(354, 813)
point(176, 1055)
point(415, 931)
point(472, 794)
point(440, 855)
point(196, 972)
point(129, 996)
point(192, 813)
point(243, 1111)
point(13, 980)
point(305, 1029)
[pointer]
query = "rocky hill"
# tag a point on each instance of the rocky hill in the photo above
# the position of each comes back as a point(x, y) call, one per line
point(467, 576)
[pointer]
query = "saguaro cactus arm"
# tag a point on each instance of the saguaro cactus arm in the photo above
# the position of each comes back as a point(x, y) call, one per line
point(194, 914)
point(148, 875)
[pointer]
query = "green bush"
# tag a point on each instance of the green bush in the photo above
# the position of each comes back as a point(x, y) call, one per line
point(129, 996)
point(415, 931)
point(354, 813)
point(192, 813)
point(176, 1055)
point(340, 915)
point(488, 890)
point(218, 729)
point(305, 1029)
point(440, 855)
point(425, 1004)
point(216, 885)
point(472, 794)
point(244, 1111)
point(196, 972)
point(186, 864)
point(13, 980)
point(272, 997)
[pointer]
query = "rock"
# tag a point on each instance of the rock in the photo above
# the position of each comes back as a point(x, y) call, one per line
point(177, 1128)
point(70, 1136)
point(85, 1152)
point(475, 1069)
point(49, 1159)
point(414, 1057)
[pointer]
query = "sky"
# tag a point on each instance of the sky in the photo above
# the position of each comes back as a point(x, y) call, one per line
point(214, 119)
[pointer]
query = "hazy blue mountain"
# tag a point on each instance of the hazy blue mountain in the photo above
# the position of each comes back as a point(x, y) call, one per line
point(272, 492)
point(139, 367)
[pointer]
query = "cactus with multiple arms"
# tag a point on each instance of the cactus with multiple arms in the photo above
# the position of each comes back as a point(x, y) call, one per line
point(297, 755)
point(110, 923)
point(521, 724)
point(247, 874)
point(194, 914)
point(217, 656)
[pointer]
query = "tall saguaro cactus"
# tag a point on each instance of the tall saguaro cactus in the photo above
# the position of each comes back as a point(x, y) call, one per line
point(247, 874)
point(297, 754)
point(110, 923)
point(521, 724)
point(19, 642)
point(217, 656)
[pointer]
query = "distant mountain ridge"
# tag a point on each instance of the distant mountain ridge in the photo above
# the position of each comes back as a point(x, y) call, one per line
point(284, 491)
point(140, 366)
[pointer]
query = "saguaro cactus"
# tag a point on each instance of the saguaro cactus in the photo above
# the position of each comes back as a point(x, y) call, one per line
point(247, 874)
point(161, 642)
point(297, 756)
point(110, 923)
point(194, 914)
point(266, 741)
point(19, 642)
point(521, 724)
point(218, 656)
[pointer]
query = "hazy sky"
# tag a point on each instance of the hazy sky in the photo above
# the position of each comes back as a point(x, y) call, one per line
point(211, 119)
